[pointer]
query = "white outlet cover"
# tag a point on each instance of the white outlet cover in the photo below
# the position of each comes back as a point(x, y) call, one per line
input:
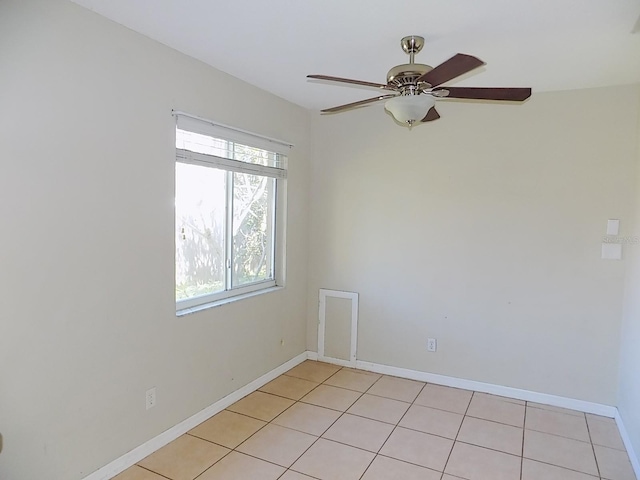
point(612, 251)
point(613, 226)
point(150, 398)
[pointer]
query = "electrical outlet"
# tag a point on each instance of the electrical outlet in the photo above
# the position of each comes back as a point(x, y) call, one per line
point(432, 345)
point(151, 398)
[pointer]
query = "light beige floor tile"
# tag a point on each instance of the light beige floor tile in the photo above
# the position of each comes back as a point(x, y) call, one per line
point(477, 463)
point(313, 371)
point(331, 397)
point(396, 388)
point(360, 382)
point(138, 473)
point(262, 406)
point(237, 466)
point(547, 421)
point(307, 418)
point(444, 398)
point(227, 428)
point(359, 432)
point(496, 436)
point(614, 464)
point(291, 475)
point(532, 470)
point(329, 460)
point(551, 408)
point(431, 420)
point(385, 468)
point(497, 411)
point(599, 418)
point(560, 451)
point(289, 387)
point(499, 397)
point(185, 458)
point(278, 445)
point(605, 434)
point(417, 447)
point(379, 408)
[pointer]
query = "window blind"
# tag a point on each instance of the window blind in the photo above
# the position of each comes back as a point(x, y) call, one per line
point(202, 126)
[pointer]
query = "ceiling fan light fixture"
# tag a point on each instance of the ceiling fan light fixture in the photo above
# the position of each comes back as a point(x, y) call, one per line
point(409, 109)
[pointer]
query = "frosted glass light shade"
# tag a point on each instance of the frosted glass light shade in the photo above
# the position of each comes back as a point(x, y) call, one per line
point(409, 108)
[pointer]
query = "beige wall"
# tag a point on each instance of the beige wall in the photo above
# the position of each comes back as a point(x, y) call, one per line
point(86, 261)
point(483, 230)
point(629, 394)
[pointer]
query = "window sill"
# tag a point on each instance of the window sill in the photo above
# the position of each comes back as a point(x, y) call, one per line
point(224, 301)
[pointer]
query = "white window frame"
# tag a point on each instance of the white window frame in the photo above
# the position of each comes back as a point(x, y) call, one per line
point(205, 127)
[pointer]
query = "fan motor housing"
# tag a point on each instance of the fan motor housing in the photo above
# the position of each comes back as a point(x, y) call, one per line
point(405, 75)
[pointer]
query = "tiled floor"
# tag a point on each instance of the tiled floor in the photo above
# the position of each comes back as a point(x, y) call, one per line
point(320, 421)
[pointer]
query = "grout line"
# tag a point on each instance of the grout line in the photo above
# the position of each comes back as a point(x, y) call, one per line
point(343, 414)
point(409, 463)
point(269, 423)
point(467, 414)
point(552, 409)
point(486, 448)
point(457, 434)
point(250, 436)
point(381, 421)
point(524, 428)
point(332, 424)
point(593, 449)
point(452, 476)
point(295, 471)
point(588, 442)
point(594, 477)
point(325, 431)
point(493, 421)
point(392, 430)
point(211, 466)
point(215, 443)
point(388, 398)
point(385, 440)
point(159, 474)
point(248, 455)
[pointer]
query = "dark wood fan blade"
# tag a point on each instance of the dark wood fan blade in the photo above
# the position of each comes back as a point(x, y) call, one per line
point(431, 115)
point(476, 93)
point(454, 67)
point(355, 104)
point(353, 82)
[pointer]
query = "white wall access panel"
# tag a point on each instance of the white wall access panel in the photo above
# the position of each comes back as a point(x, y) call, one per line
point(338, 327)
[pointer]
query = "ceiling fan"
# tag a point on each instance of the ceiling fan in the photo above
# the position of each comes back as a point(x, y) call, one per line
point(414, 87)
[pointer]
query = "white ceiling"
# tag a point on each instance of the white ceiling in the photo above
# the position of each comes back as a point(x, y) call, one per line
point(544, 44)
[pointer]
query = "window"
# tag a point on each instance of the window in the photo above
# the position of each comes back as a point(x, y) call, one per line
point(229, 213)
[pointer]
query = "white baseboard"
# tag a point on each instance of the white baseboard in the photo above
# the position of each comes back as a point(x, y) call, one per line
point(633, 457)
point(134, 456)
point(554, 400)
point(337, 361)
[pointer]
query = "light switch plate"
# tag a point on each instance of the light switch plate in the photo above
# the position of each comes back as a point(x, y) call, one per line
point(613, 226)
point(612, 251)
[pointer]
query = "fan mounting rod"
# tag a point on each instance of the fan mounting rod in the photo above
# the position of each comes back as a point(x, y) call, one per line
point(404, 76)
